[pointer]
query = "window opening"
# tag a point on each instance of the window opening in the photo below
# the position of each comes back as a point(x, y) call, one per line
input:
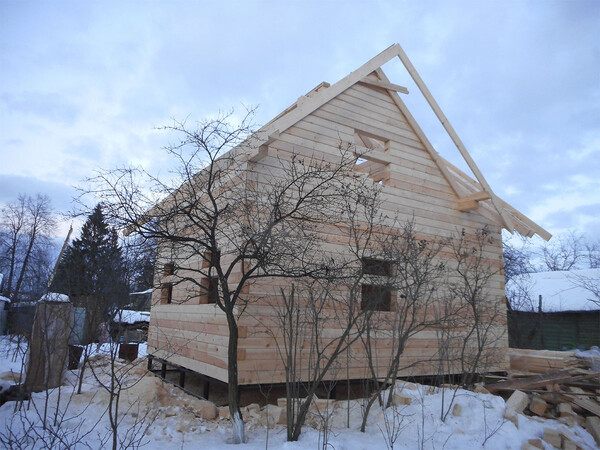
point(372, 156)
point(380, 267)
point(370, 141)
point(210, 290)
point(376, 298)
point(166, 294)
point(169, 269)
point(210, 259)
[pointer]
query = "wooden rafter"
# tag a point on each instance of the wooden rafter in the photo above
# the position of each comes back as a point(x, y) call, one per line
point(421, 135)
point(523, 224)
point(457, 141)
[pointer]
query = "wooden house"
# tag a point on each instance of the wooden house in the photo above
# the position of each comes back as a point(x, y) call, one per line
point(364, 109)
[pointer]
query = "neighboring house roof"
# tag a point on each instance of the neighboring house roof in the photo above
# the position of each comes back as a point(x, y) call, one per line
point(560, 291)
point(147, 291)
point(130, 317)
point(471, 194)
point(54, 297)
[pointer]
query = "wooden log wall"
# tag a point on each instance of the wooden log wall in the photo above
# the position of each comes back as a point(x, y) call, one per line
point(414, 188)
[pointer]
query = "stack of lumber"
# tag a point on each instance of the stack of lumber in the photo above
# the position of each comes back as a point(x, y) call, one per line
point(558, 385)
point(542, 361)
point(589, 360)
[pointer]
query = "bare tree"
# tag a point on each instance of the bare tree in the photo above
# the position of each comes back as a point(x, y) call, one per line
point(13, 227)
point(25, 229)
point(115, 377)
point(139, 255)
point(481, 312)
point(517, 258)
point(564, 252)
point(519, 297)
point(330, 298)
point(56, 418)
point(40, 222)
point(589, 281)
point(592, 250)
point(224, 220)
point(393, 425)
point(415, 274)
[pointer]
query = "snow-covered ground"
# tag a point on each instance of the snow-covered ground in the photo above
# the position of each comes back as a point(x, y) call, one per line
point(160, 416)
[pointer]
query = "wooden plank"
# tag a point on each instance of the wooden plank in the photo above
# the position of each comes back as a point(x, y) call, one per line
point(377, 156)
point(467, 205)
point(592, 425)
point(332, 127)
point(477, 196)
point(363, 120)
point(393, 121)
point(384, 85)
point(360, 123)
point(586, 403)
point(371, 98)
point(530, 382)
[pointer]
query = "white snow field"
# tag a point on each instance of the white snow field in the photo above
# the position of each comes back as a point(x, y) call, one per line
point(157, 415)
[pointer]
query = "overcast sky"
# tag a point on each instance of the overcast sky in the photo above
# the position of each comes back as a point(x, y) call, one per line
point(84, 85)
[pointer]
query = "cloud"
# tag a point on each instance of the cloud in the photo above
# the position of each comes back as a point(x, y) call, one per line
point(567, 207)
point(47, 105)
point(61, 195)
point(84, 86)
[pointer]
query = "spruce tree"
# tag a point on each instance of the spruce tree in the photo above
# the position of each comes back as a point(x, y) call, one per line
point(92, 273)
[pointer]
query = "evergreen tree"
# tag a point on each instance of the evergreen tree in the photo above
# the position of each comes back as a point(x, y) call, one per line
point(92, 273)
point(140, 255)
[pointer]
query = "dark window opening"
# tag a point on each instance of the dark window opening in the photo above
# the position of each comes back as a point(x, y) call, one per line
point(210, 288)
point(211, 259)
point(380, 267)
point(169, 269)
point(166, 294)
point(376, 298)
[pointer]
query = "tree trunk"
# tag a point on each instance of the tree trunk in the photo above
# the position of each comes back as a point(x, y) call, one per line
point(13, 256)
point(301, 418)
point(25, 261)
point(233, 395)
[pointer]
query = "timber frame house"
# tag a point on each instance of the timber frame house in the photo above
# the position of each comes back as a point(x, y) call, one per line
point(365, 110)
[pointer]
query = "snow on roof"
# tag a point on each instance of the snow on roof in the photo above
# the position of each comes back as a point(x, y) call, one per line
point(54, 297)
point(130, 317)
point(560, 291)
point(4, 299)
point(147, 291)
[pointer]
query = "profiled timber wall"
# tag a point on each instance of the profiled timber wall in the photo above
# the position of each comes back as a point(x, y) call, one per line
point(196, 336)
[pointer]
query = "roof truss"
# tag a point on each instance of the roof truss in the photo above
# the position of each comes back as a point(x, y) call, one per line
point(467, 200)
